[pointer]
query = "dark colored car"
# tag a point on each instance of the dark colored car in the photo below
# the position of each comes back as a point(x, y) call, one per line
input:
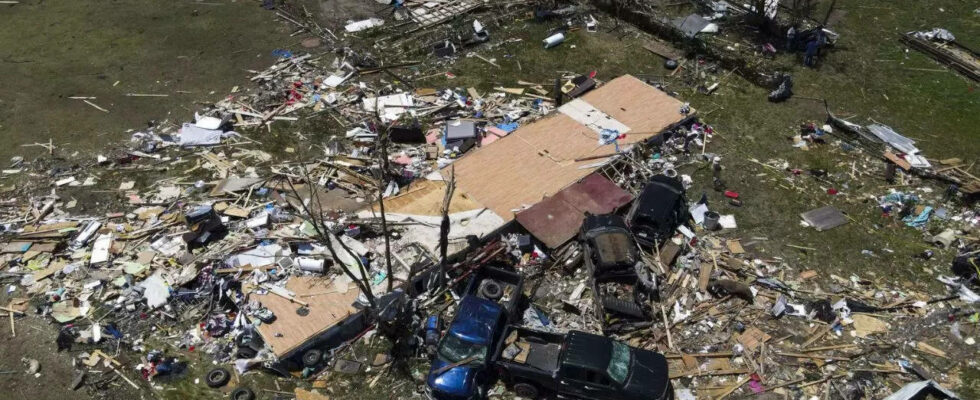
point(580, 365)
point(461, 367)
point(621, 281)
point(658, 210)
point(610, 251)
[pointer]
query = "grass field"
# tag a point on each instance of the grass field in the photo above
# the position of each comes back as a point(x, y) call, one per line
point(190, 51)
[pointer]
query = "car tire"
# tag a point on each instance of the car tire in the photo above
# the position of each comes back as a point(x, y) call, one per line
point(670, 64)
point(623, 307)
point(217, 377)
point(242, 393)
point(246, 352)
point(312, 358)
point(492, 290)
point(526, 390)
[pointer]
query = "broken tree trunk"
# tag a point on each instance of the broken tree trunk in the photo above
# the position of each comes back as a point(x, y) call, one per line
point(383, 143)
point(444, 228)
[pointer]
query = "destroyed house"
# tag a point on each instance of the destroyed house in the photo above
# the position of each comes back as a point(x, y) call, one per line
point(544, 174)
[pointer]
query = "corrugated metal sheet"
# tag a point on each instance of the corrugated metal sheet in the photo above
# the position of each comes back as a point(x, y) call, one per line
point(557, 219)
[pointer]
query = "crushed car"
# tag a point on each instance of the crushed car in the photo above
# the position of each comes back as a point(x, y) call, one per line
point(621, 280)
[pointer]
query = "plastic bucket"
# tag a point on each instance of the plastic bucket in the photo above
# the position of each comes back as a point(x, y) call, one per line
point(711, 221)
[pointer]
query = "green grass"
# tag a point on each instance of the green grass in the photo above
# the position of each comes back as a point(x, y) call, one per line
point(53, 50)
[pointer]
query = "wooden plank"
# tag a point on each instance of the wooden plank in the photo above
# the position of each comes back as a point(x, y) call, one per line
point(704, 277)
point(663, 49)
point(900, 162)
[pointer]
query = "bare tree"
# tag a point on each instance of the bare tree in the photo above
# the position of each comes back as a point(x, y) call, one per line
point(323, 234)
point(444, 231)
point(383, 162)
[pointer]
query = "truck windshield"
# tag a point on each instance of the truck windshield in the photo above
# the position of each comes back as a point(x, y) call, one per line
point(454, 349)
point(619, 363)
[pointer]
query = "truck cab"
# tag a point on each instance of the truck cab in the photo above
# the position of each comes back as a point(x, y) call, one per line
point(580, 365)
point(460, 370)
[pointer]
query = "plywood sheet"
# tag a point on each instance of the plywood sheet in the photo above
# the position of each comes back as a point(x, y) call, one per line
point(425, 198)
point(537, 160)
point(290, 330)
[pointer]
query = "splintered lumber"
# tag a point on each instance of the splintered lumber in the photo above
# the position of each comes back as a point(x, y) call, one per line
point(690, 374)
point(663, 49)
point(953, 54)
point(817, 356)
point(718, 354)
point(733, 387)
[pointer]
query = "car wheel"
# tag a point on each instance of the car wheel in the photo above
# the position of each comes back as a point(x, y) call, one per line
point(526, 390)
point(492, 290)
point(242, 393)
point(312, 358)
point(217, 377)
point(670, 64)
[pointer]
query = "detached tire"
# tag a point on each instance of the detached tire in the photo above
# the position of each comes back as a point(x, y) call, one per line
point(312, 358)
point(526, 390)
point(217, 377)
point(492, 290)
point(623, 307)
point(670, 64)
point(242, 393)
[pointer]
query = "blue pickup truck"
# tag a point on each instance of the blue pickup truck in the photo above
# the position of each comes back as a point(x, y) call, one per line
point(461, 369)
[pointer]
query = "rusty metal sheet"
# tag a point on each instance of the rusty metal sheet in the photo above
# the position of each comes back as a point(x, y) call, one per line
point(557, 219)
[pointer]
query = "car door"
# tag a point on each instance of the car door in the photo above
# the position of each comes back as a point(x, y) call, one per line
point(586, 383)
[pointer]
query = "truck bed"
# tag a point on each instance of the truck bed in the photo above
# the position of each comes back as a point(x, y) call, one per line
point(512, 284)
point(525, 348)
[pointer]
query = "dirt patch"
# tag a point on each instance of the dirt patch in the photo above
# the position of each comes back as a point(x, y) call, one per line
point(35, 340)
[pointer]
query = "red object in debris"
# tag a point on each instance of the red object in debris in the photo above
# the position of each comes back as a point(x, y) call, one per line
point(731, 195)
point(191, 349)
point(593, 74)
point(831, 191)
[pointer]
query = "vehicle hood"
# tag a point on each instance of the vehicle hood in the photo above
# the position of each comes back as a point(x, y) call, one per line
point(648, 376)
point(476, 320)
point(456, 382)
